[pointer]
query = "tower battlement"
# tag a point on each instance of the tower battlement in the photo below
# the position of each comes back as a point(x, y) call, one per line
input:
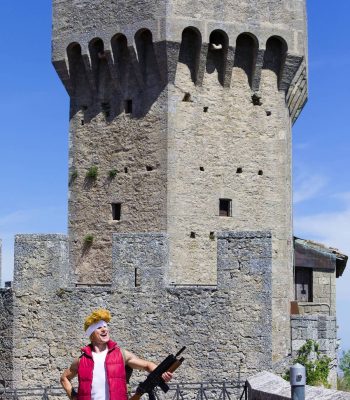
point(97, 68)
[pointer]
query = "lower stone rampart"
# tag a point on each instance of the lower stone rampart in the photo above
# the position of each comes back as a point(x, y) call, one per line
point(226, 328)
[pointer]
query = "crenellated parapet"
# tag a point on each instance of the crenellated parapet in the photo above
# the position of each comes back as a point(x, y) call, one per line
point(99, 68)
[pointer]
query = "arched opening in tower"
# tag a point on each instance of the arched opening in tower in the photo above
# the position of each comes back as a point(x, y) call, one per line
point(245, 55)
point(217, 54)
point(190, 51)
point(146, 57)
point(100, 69)
point(120, 52)
point(275, 55)
point(77, 73)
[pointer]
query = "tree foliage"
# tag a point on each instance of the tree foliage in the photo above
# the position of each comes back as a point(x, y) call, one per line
point(344, 365)
point(317, 365)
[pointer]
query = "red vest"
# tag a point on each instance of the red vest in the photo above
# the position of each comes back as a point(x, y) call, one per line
point(115, 368)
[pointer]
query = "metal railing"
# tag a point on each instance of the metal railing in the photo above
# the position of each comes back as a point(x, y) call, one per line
point(177, 391)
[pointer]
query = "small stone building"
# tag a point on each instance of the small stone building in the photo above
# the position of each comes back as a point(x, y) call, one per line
point(314, 309)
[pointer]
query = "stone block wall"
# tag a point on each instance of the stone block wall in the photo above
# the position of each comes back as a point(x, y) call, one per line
point(322, 329)
point(226, 327)
point(266, 386)
point(6, 336)
point(324, 288)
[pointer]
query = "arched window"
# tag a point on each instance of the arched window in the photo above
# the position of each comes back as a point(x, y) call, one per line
point(245, 55)
point(96, 50)
point(217, 54)
point(190, 51)
point(275, 54)
point(120, 51)
point(146, 55)
point(77, 72)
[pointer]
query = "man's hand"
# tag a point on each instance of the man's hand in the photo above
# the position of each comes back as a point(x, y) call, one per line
point(167, 376)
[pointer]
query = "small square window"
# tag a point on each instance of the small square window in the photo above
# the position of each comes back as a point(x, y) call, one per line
point(225, 207)
point(128, 106)
point(116, 211)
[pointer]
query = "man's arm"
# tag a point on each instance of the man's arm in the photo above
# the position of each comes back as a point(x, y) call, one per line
point(67, 376)
point(137, 363)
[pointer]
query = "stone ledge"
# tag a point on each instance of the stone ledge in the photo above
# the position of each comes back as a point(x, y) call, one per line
point(267, 386)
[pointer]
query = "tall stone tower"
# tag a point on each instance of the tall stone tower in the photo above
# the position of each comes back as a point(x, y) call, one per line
point(180, 123)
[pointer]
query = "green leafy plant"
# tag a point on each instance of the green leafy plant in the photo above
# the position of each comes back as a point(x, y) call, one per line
point(317, 366)
point(112, 173)
point(88, 240)
point(92, 172)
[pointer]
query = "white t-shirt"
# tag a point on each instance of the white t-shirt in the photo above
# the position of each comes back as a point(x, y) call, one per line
point(100, 387)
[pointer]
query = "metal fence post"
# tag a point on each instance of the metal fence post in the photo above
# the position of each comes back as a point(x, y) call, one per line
point(297, 382)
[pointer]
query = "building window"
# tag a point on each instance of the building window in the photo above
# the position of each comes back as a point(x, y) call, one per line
point(225, 207)
point(128, 106)
point(303, 284)
point(116, 211)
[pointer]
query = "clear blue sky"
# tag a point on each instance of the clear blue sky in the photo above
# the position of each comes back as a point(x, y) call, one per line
point(34, 135)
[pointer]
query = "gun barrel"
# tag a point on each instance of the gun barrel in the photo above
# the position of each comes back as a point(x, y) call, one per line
point(180, 351)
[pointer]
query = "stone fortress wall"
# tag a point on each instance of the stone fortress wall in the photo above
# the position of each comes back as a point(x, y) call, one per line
point(178, 107)
point(227, 327)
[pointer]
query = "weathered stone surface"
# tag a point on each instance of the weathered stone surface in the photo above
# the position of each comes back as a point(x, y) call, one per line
point(266, 386)
point(6, 336)
point(226, 328)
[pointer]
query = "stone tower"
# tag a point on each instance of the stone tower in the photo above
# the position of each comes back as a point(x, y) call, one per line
point(180, 123)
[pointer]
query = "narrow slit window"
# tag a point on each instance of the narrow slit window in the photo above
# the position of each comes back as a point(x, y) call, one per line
point(225, 207)
point(106, 108)
point(116, 211)
point(128, 106)
point(137, 277)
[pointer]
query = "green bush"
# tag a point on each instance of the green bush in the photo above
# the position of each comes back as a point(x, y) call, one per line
point(344, 364)
point(92, 172)
point(112, 173)
point(88, 240)
point(316, 364)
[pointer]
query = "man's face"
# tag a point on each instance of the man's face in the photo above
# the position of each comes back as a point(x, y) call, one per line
point(100, 335)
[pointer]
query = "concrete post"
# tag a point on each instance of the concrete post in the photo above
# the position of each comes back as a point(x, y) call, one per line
point(297, 382)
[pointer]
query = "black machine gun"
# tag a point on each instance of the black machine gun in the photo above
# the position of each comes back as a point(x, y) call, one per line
point(154, 379)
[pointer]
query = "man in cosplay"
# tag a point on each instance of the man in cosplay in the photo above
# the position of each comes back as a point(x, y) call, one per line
point(101, 366)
